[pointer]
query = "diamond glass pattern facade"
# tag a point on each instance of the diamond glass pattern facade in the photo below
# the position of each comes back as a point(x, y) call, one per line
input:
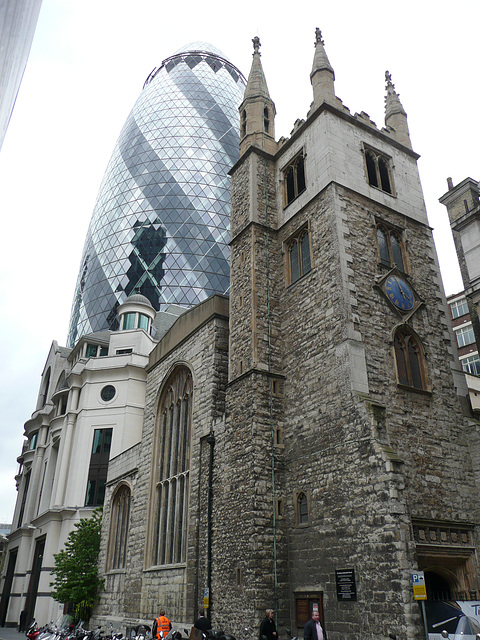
point(160, 225)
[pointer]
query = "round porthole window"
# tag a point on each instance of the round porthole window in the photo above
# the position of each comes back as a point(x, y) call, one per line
point(108, 393)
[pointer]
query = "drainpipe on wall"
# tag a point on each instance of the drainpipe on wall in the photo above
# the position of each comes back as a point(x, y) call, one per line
point(211, 442)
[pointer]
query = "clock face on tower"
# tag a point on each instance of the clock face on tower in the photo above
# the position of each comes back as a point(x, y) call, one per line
point(399, 293)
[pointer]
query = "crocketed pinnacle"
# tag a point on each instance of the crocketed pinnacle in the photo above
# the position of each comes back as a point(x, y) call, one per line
point(395, 115)
point(256, 83)
point(322, 76)
point(320, 59)
point(392, 99)
point(257, 111)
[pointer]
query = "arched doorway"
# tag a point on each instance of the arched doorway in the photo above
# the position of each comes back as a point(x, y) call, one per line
point(438, 587)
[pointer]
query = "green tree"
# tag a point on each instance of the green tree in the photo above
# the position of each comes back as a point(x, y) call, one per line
point(76, 573)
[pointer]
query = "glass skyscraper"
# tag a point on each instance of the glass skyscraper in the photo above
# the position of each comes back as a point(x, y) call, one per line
point(160, 225)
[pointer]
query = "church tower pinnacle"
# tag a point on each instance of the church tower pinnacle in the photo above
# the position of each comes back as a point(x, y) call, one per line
point(395, 114)
point(322, 75)
point(257, 111)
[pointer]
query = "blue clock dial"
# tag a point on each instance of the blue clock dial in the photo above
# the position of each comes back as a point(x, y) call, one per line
point(399, 293)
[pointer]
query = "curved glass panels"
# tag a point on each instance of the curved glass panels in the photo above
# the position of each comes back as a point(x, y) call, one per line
point(160, 225)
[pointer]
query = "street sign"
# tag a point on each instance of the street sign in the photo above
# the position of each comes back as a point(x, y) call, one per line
point(206, 598)
point(419, 588)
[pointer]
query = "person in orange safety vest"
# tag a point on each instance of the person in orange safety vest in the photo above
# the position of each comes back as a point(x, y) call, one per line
point(161, 626)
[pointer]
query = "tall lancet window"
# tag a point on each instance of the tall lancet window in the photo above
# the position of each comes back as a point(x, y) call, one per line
point(243, 124)
point(119, 526)
point(173, 461)
point(266, 120)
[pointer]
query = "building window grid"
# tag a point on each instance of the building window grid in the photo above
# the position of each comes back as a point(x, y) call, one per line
point(26, 485)
point(32, 442)
point(465, 335)
point(471, 364)
point(172, 488)
point(97, 473)
point(459, 308)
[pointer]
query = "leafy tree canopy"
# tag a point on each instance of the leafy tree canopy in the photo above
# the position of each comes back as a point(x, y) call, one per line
point(76, 574)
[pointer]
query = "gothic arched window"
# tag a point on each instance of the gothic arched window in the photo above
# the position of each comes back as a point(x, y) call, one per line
point(302, 508)
point(173, 461)
point(119, 525)
point(379, 171)
point(390, 247)
point(409, 359)
point(294, 179)
point(266, 120)
point(299, 256)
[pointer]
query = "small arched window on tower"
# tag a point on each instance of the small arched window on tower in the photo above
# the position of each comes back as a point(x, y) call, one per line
point(299, 256)
point(409, 359)
point(294, 178)
point(379, 170)
point(302, 508)
point(243, 124)
point(266, 120)
point(390, 247)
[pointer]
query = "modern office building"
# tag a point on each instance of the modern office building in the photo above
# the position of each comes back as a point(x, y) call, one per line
point(18, 20)
point(467, 346)
point(464, 334)
point(159, 233)
point(89, 410)
point(463, 206)
point(160, 225)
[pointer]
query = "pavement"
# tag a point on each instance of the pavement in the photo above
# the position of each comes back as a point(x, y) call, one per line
point(11, 633)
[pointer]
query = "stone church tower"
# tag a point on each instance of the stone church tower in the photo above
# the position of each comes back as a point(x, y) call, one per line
point(346, 462)
point(306, 443)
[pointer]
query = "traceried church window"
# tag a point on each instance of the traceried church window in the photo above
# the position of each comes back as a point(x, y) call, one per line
point(379, 172)
point(173, 461)
point(409, 358)
point(299, 256)
point(294, 178)
point(119, 525)
point(390, 247)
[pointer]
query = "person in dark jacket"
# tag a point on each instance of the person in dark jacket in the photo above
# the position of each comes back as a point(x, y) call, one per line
point(202, 623)
point(268, 630)
point(314, 630)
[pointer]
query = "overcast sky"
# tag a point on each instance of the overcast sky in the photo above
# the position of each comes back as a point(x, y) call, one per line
point(87, 66)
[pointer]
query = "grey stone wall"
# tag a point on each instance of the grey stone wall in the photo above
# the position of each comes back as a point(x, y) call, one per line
point(137, 593)
point(371, 456)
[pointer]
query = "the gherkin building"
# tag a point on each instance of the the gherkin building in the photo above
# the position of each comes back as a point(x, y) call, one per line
point(160, 225)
